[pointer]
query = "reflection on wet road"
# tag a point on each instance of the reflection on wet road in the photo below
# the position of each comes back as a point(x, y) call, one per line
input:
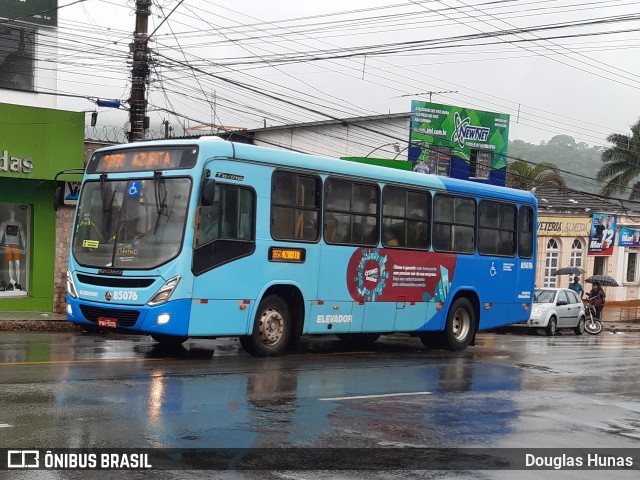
point(76, 390)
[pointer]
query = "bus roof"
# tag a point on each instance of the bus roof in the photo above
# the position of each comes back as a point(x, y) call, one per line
point(211, 146)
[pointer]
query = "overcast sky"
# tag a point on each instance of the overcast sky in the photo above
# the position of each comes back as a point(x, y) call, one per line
point(566, 67)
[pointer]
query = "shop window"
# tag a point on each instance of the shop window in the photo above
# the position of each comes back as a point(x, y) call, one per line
point(551, 263)
point(577, 254)
point(441, 160)
point(15, 221)
point(480, 164)
point(599, 265)
point(632, 267)
point(438, 163)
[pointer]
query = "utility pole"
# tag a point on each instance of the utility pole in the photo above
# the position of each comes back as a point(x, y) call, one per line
point(139, 72)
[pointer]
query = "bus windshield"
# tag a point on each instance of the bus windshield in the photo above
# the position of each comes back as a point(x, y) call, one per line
point(136, 224)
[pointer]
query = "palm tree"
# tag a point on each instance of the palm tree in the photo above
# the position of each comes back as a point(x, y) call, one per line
point(525, 175)
point(621, 163)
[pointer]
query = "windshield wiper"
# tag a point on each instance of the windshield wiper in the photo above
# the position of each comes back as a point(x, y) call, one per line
point(107, 204)
point(104, 193)
point(160, 193)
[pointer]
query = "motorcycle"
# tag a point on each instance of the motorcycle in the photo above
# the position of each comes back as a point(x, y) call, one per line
point(593, 325)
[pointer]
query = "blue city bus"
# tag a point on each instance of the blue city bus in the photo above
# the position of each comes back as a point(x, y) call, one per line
point(205, 238)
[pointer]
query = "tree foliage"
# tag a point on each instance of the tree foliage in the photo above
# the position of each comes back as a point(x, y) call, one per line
point(567, 155)
point(621, 164)
point(524, 175)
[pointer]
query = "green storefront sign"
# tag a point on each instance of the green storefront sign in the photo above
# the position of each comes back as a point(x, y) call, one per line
point(460, 129)
point(35, 144)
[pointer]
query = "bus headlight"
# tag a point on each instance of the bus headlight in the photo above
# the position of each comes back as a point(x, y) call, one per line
point(71, 288)
point(165, 291)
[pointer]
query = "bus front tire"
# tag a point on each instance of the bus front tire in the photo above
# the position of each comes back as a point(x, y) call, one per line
point(271, 329)
point(458, 331)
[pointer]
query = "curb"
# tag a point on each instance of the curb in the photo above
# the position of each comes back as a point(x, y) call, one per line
point(38, 326)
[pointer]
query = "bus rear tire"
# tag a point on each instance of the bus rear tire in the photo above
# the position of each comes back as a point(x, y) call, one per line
point(271, 329)
point(461, 325)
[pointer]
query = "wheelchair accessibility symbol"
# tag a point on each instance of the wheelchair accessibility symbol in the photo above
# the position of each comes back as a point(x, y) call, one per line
point(134, 189)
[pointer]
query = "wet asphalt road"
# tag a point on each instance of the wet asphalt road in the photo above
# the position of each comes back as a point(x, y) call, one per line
point(73, 390)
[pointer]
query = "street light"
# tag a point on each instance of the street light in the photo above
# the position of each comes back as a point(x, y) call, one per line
point(396, 147)
point(414, 143)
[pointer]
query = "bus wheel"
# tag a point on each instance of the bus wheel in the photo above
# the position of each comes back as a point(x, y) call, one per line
point(461, 325)
point(169, 340)
point(432, 339)
point(271, 329)
point(359, 339)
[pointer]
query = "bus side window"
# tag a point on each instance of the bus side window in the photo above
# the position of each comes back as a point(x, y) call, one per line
point(295, 206)
point(351, 212)
point(406, 215)
point(330, 227)
point(454, 224)
point(497, 228)
point(208, 223)
point(245, 227)
point(230, 216)
point(525, 232)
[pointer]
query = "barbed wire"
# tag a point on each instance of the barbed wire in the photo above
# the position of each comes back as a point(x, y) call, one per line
point(115, 134)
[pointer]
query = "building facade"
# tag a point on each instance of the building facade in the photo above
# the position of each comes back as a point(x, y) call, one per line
point(568, 230)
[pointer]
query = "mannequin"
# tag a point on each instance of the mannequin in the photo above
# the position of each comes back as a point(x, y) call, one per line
point(12, 238)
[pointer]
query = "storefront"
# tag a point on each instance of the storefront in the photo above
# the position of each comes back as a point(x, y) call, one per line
point(605, 243)
point(35, 144)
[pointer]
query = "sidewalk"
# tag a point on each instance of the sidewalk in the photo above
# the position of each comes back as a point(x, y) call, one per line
point(615, 318)
point(35, 322)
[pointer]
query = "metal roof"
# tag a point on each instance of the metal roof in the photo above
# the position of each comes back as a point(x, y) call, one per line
point(554, 199)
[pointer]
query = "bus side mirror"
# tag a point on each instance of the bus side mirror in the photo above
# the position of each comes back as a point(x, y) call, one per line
point(58, 197)
point(208, 193)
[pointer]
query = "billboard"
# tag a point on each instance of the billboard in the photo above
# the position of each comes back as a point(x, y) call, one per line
point(40, 12)
point(603, 234)
point(460, 131)
point(629, 237)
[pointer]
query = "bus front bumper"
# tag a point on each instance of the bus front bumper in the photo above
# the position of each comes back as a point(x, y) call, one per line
point(171, 318)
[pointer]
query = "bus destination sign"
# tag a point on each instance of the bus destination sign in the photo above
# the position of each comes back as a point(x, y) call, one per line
point(143, 159)
point(291, 255)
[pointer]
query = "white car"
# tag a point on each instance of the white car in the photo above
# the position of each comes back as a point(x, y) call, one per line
point(554, 309)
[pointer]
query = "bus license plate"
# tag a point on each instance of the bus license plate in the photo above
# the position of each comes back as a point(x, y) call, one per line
point(107, 322)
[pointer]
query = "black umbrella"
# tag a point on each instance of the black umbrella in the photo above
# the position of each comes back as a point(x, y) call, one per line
point(603, 280)
point(569, 271)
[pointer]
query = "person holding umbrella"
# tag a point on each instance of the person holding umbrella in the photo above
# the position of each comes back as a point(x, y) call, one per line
point(597, 297)
point(576, 287)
